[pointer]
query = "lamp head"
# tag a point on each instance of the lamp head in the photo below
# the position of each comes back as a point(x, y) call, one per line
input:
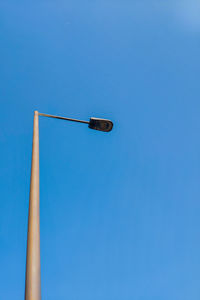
point(100, 124)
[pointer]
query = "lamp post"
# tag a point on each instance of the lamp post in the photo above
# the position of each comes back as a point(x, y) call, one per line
point(33, 280)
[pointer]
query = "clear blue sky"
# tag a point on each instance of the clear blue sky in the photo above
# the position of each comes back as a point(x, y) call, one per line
point(120, 212)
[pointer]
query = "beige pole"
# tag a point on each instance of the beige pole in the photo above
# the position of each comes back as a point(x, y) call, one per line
point(33, 281)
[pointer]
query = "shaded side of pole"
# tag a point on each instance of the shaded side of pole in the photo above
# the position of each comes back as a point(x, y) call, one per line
point(33, 281)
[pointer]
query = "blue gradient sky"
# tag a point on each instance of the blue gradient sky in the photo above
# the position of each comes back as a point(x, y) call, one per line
point(119, 211)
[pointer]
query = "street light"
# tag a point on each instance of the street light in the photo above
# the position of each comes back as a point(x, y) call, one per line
point(33, 280)
point(100, 124)
point(94, 123)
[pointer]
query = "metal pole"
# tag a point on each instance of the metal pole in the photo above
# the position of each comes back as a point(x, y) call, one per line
point(33, 281)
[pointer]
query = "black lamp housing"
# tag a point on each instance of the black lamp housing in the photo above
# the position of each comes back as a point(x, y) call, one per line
point(100, 124)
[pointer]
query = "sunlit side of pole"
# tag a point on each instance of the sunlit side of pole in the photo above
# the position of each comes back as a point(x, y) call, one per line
point(33, 281)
